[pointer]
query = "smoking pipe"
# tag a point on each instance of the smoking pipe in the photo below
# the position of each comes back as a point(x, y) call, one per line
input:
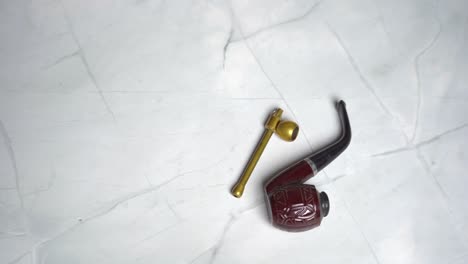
point(295, 206)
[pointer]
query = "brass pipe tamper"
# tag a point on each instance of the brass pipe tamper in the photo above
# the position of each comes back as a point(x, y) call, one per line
point(286, 130)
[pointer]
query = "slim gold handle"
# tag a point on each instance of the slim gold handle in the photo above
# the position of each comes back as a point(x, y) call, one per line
point(286, 130)
point(238, 189)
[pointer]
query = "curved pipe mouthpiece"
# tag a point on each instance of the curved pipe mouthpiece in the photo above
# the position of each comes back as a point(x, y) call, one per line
point(295, 206)
point(326, 155)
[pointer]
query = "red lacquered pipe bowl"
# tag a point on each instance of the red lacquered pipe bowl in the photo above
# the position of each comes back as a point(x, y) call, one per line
point(295, 206)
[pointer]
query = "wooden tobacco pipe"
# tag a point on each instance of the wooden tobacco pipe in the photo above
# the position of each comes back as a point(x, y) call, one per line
point(295, 206)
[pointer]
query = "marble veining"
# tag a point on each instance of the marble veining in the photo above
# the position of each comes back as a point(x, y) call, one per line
point(124, 124)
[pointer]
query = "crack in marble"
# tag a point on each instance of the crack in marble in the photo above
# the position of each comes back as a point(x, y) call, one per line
point(422, 143)
point(369, 245)
point(62, 59)
point(12, 156)
point(148, 180)
point(429, 171)
point(225, 48)
point(19, 258)
point(220, 243)
point(172, 210)
point(226, 228)
point(443, 134)
point(251, 207)
point(212, 165)
point(357, 70)
point(82, 56)
point(329, 180)
point(288, 21)
point(201, 255)
point(394, 151)
point(418, 74)
point(441, 189)
point(157, 233)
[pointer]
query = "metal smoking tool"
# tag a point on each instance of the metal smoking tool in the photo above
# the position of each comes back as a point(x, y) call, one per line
point(286, 130)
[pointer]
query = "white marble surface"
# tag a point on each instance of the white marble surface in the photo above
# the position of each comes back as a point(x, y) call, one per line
point(124, 124)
